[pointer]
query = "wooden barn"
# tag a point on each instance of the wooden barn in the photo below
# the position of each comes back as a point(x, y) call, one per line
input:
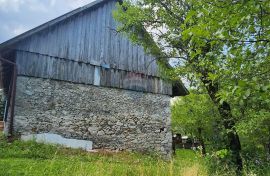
point(75, 77)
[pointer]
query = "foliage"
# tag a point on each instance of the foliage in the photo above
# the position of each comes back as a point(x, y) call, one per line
point(221, 45)
point(196, 112)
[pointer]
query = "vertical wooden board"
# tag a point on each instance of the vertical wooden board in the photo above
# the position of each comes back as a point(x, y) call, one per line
point(112, 78)
point(24, 63)
point(122, 48)
point(42, 66)
point(127, 54)
point(81, 36)
point(95, 38)
point(38, 47)
point(65, 30)
point(155, 85)
point(108, 77)
point(117, 50)
point(54, 68)
point(19, 62)
point(151, 66)
point(50, 67)
point(37, 68)
point(57, 45)
point(155, 67)
point(78, 37)
point(80, 72)
point(70, 70)
point(124, 80)
point(86, 38)
point(107, 34)
point(151, 84)
point(117, 78)
point(99, 35)
point(111, 38)
point(102, 36)
point(136, 58)
point(90, 74)
point(64, 71)
point(130, 56)
point(48, 42)
point(97, 76)
point(34, 70)
point(76, 74)
point(140, 62)
point(60, 39)
point(29, 64)
point(74, 39)
point(70, 42)
point(31, 43)
point(53, 43)
point(45, 42)
point(121, 79)
point(73, 73)
point(83, 73)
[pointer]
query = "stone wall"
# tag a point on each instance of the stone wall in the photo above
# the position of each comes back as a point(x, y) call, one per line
point(111, 118)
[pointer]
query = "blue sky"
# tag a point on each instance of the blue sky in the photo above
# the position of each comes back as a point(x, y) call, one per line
point(18, 16)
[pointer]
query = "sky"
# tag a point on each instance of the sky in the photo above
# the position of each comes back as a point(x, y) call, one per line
point(18, 16)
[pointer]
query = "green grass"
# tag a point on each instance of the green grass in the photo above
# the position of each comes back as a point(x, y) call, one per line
point(30, 158)
point(33, 159)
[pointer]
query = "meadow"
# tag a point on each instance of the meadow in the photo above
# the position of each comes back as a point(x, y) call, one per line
point(33, 159)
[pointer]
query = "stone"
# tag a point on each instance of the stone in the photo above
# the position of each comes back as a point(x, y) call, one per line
point(110, 118)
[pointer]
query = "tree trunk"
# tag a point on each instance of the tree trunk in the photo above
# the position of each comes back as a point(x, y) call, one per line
point(202, 141)
point(228, 121)
point(233, 138)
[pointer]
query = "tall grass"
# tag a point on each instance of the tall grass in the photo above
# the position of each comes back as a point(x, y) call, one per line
point(33, 159)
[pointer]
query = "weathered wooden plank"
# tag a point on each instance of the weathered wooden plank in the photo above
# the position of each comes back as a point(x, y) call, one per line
point(97, 76)
point(88, 37)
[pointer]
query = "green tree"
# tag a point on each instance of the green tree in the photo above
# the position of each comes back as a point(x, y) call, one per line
point(196, 115)
point(223, 44)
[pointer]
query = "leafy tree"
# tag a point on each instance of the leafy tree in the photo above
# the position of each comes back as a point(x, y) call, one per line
point(195, 115)
point(223, 44)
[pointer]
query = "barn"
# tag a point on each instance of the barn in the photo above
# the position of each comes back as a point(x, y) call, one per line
point(75, 77)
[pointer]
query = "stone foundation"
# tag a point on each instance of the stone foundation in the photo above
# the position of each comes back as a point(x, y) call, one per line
point(111, 118)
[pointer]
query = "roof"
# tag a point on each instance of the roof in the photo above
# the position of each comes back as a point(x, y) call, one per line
point(12, 41)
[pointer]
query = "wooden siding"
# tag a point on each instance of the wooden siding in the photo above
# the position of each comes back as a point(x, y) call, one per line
point(84, 48)
point(44, 66)
point(90, 37)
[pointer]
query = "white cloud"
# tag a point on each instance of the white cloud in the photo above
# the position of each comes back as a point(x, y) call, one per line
point(18, 16)
point(38, 6)
point(52, 2)
point(77, 3)
point(19, 30)
point(11, 5)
